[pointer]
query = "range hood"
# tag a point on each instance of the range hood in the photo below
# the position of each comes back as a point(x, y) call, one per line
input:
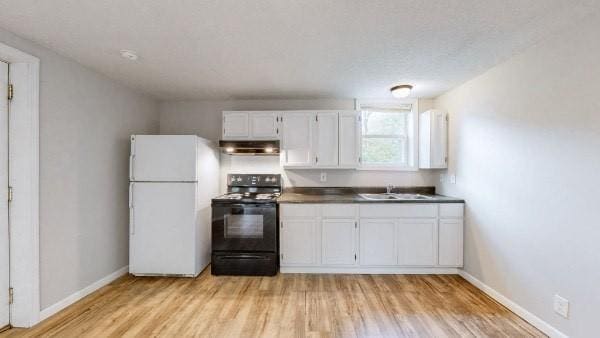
point(264, 148)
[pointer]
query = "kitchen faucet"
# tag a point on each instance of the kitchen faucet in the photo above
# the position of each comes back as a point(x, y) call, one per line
point(390, 187)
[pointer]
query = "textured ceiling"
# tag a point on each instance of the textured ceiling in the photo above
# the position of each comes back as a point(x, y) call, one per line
point(233, 49)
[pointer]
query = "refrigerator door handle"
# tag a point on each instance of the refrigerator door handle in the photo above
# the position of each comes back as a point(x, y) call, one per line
point(131, 162)
point(131, 210)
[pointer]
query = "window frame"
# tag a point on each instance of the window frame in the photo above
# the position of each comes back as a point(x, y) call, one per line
point(413, 134)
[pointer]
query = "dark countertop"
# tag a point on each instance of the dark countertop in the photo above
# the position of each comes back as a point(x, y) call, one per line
point(351, 195)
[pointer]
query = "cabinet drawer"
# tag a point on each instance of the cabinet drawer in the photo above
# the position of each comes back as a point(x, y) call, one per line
point(398, 210)
point(452, 210)
point(339, 210)
point(299, 210)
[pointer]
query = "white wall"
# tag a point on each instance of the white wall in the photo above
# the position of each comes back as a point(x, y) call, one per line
point(85, 121)
point(525, 148)
point(204, 119)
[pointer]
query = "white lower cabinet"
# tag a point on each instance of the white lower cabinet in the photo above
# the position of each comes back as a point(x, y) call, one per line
point(371, 238)
point(378, 242)
point(417, 239)
point(298, 241)
point(338, 238)
point(451, 242)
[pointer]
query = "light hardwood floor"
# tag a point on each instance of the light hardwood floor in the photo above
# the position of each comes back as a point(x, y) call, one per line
point(289, 305)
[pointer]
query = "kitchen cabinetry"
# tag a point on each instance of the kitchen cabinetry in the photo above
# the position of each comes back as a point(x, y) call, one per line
point(326, 140)
point(433, 139)
point(338, 241)
point(371, 238)
point(417, 240)
point(298, 241)
point(250, 125)
point(378, 242)
point(297, 140)
point(349, 139)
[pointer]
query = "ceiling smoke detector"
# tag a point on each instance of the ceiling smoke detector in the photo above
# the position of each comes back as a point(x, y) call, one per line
point(401, 91)
point(128, 54)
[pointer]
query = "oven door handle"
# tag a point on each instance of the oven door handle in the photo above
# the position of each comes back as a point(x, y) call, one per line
point(243, 257)
point(263, 205)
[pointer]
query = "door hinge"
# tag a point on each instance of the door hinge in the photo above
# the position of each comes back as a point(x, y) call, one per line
point(11, 91)
point(11, 295)
point(10, 194)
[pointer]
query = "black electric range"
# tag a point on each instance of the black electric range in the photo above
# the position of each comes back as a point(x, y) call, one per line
point(245, 238)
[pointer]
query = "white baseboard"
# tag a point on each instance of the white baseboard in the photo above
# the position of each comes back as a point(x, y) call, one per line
point(369, 270)
point(56, 307)
point(514, 307)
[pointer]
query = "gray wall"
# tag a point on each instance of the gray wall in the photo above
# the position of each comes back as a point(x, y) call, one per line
point(204, 119)
point(85, 121)
point(525, 148)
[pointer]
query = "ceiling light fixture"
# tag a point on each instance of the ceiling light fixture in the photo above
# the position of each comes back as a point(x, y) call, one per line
point(128, 54)
point(269, 149)
point(229, 149)
point(401, 91)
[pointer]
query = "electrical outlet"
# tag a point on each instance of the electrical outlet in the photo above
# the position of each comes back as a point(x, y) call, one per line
point(452, 179)
point(323, 177)
point(561, 306)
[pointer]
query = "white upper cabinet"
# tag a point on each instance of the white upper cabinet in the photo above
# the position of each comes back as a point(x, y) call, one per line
point(297, 139)
point(326, 140)
point(264, 125)
point(243, 125)
point(433, 139)
point(349, 136)
point(235, 125)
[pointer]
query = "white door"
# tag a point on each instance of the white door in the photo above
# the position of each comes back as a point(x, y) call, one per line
point(235, 125)
point(297, 139)
point(417, 242)
point(378, 242)
point(163, 158)
point(349, 138)
point(264, 125)
point(338, 238)
point(326, 140)
point(450, 242)
point(298, 239)
point(4, 246)
point(162, 228)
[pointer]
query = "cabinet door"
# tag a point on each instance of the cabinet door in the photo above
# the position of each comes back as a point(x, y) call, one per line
point(349, 138)
point(439, 139)
point(326, 140)
point(297, 139)
point(417, 242)
point(264, 125)
point(235, 125)
point(338, 241)
point(450, 242)
point(298, 239)
point(378, 242)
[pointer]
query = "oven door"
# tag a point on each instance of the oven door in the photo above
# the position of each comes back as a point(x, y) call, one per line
point(244, 227)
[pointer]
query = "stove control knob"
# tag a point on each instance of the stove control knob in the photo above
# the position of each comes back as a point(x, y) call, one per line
point(268, 179)
point(239, 179)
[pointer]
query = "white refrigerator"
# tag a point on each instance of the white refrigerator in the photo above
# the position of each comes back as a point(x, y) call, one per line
point(172, 179)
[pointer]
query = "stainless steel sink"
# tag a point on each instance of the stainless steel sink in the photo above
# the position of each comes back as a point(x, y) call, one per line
point(394, 197)
point(378, 197)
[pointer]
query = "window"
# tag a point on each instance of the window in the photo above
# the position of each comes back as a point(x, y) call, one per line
point(387, 136)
